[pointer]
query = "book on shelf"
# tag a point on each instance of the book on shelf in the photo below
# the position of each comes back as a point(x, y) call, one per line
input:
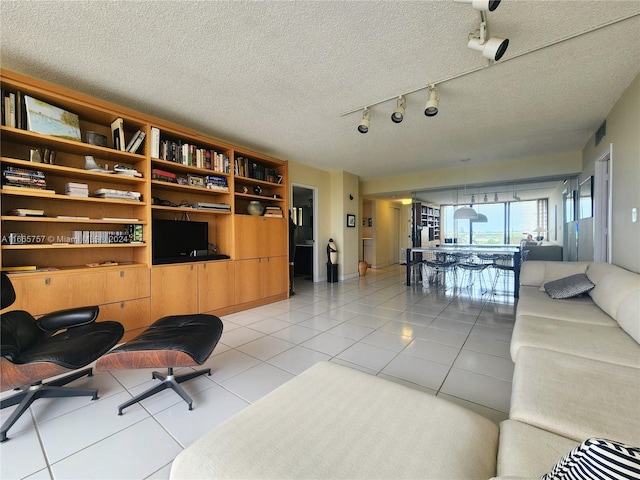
point(117, 131)
point(26, 212)
point(76, 189)
point(136, 141)
point(11, 110)
point(125, 170)
point(71, 217)
point(273, 211)
point(120, 219)
point(157, 174)
point(155, 142)
point(116, 194)
point(19, 268)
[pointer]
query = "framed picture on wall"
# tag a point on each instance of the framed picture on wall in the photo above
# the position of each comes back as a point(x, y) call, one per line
point(351, 220)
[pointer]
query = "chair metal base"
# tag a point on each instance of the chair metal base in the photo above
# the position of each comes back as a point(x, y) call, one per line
point(167, 381)
point(52, 389)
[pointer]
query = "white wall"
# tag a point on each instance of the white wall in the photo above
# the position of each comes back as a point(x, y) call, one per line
point(623, 132)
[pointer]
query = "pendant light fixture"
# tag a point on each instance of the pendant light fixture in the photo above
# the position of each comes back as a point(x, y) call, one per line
point(465, 213)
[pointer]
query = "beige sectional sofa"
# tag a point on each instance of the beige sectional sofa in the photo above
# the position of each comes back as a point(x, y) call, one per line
point(577, 375)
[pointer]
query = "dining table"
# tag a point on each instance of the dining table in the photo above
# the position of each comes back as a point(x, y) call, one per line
point(414, 256)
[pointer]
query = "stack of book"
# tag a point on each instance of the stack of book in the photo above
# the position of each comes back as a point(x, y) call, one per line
point(23, 178)
point(126, 170)
point(273, 212)
point(214, 182)
point(157, 174)
point(117, 194)
point(76, 189)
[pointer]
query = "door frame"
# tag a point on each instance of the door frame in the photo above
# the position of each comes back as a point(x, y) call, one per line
point(314, 199)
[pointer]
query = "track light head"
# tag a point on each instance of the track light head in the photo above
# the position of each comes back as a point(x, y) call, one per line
point(493, 49)
point(364, 124)
point(431, 108)
point(398, 114)
point(495, 197)
point(486, 199)
point(482, 5)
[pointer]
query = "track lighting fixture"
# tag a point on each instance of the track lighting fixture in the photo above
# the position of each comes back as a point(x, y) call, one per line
point(398, 114)
point(485, 198)
point(364, 124)
point(473, 199)
point(482, 5)
point(431, 109)
point(493, 48)
point(495, 197)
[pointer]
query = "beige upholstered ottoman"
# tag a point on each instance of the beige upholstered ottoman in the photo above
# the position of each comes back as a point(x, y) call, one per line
point(335, 422)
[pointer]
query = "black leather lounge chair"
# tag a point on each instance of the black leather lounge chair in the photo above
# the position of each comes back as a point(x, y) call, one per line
point(34, 350)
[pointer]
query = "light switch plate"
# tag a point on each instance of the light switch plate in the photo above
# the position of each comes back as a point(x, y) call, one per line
point(634, 215)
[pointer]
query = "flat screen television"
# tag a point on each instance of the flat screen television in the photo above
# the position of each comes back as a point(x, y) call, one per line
point(177, 241)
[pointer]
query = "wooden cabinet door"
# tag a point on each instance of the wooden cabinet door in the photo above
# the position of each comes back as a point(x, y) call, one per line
point(276, 275)
point(248, 280)
point(44, 293)
point(134, 315)
point(174, 290)
point(215, 285)
point(247, 236)
point(273, 237)
point(127, 284)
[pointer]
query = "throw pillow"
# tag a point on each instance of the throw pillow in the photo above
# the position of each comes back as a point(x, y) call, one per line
point(556, 270)
point(568, 287)
point(597, 458)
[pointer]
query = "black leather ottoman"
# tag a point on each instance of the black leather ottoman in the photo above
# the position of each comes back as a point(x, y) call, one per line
point(175, 341)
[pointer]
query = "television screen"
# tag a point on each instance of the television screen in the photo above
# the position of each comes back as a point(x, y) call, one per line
point(175, 240)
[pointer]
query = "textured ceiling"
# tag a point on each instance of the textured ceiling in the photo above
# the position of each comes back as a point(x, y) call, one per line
point(277, 76)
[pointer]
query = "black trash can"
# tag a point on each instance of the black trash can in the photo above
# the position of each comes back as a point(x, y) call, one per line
point(332, 272)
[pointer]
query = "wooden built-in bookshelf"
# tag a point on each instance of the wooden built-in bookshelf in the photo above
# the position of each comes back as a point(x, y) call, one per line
point(63, 274)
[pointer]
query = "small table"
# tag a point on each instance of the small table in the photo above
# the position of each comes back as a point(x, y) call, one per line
point(513, 250)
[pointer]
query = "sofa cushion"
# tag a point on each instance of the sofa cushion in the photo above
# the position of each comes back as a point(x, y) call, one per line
point(567, 287)
point(332, 421)
point(612, 289)
point(604, 343)
point(628, 315)
point(581, 309)
point(596, 271)
point(557, 270)
point(598, 458)
point(526, 451)
point(576, 397)
point(532, 273)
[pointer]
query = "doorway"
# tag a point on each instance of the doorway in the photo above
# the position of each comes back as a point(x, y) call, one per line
point(304, 215)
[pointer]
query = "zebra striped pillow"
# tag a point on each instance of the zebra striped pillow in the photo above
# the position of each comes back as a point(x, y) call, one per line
point(597, 458)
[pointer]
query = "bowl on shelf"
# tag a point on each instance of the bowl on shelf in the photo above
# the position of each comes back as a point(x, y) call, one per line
point(255, 208)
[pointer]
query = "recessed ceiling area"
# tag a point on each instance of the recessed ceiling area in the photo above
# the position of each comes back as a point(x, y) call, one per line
point(276, 77)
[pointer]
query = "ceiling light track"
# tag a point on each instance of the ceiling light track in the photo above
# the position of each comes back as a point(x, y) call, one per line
point(482, 67)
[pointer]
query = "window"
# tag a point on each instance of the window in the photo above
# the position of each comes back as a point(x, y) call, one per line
point(508, 223)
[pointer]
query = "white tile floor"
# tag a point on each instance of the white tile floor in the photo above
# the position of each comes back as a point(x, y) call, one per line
point(454, 344)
